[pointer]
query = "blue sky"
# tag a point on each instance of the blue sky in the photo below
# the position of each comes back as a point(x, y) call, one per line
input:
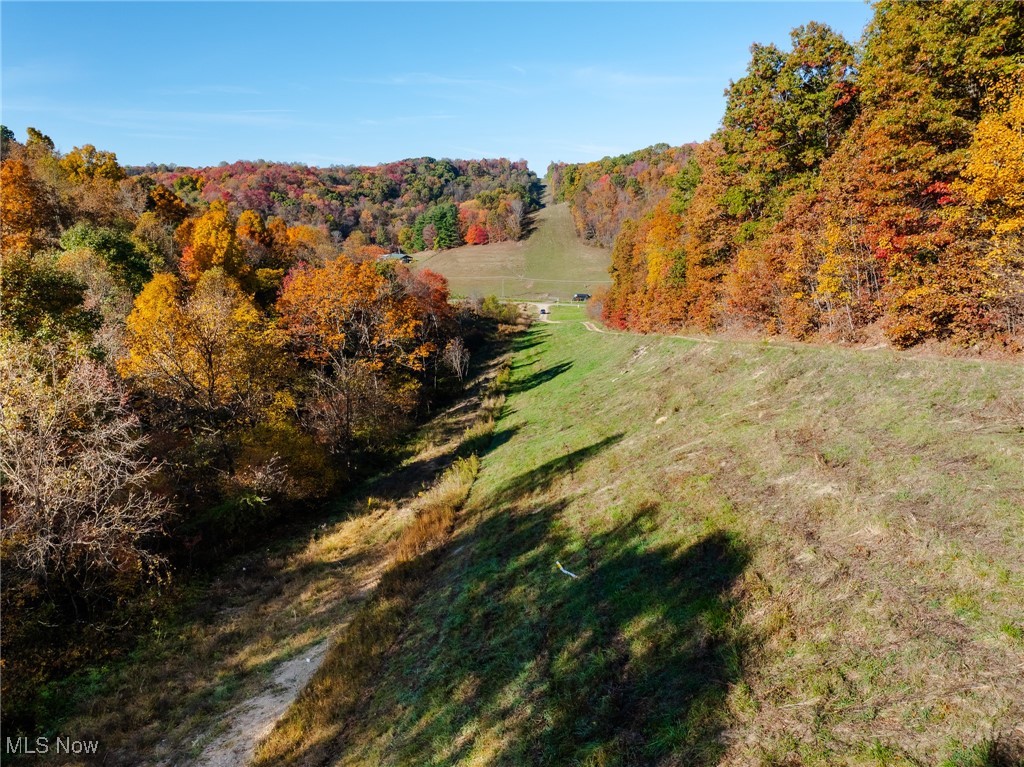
point(352, 83)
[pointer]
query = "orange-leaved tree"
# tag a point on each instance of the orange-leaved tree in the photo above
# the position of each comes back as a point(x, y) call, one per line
point(360, 330)
point(168, 207)
point(27, 215)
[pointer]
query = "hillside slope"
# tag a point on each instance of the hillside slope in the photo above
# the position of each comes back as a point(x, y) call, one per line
point(551, 263)
point(785, 556)
point(226, 659)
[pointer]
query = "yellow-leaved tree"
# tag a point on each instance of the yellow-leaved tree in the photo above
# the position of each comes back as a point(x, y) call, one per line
point(211, 242)
point(209, 356)
point(993, 183)
point(85, 163)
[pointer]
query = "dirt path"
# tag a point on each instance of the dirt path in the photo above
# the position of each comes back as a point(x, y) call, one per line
point(595, 327)
point(208, 687)
point(544, 312)
point(234, 737)
point(544, 315)
point(249, 722)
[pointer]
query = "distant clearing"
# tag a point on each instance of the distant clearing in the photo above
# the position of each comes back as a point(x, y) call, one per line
point(552, 263)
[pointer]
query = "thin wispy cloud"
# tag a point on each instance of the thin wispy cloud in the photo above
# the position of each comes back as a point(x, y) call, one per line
point(612, 78)
point(148, 119)
point(248, 118)
point(432, 79)
point(418, 78)
point(404, 120)
point(313, 158)
point(160, 136)
point(209, 90)
point(587, 149)
point(36, 73)
point(476, 153)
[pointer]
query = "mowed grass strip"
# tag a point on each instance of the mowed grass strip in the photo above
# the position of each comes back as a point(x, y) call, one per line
point(551, 262)
point(785, 556)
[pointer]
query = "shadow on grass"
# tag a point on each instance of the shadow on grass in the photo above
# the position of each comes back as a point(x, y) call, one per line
point(533, 337)
point(530, 224)
point(539, 378)
point(629, 663)
point(482, 444)
point(191, 668)
point(539, 479)
point(414, 474)
point(418, 474)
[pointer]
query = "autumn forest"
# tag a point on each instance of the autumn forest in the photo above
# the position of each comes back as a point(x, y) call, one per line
point(193, 359)
point(235, 322)
point(849, 189)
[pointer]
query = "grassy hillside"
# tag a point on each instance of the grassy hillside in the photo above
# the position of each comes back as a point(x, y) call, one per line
point(785, 556)
point(552, 262)
point(199, 688)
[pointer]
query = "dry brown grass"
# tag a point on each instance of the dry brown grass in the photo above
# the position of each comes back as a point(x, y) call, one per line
point(317, 718)
point(264, 609)
point(437, 508)
point(164, 705)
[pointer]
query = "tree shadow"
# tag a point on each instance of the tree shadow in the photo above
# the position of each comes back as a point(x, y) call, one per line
point(539, 378)
point(482, 444)
point(530, 223)
point(655, 652)
point(527, 340)
point(540, 478)
point(628, 663)
point(418, 474)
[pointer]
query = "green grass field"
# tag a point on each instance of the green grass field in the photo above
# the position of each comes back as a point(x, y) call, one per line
point(785, 556)
point(551, 263)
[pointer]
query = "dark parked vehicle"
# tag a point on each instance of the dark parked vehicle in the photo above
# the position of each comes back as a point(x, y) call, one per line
point(581, 297)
